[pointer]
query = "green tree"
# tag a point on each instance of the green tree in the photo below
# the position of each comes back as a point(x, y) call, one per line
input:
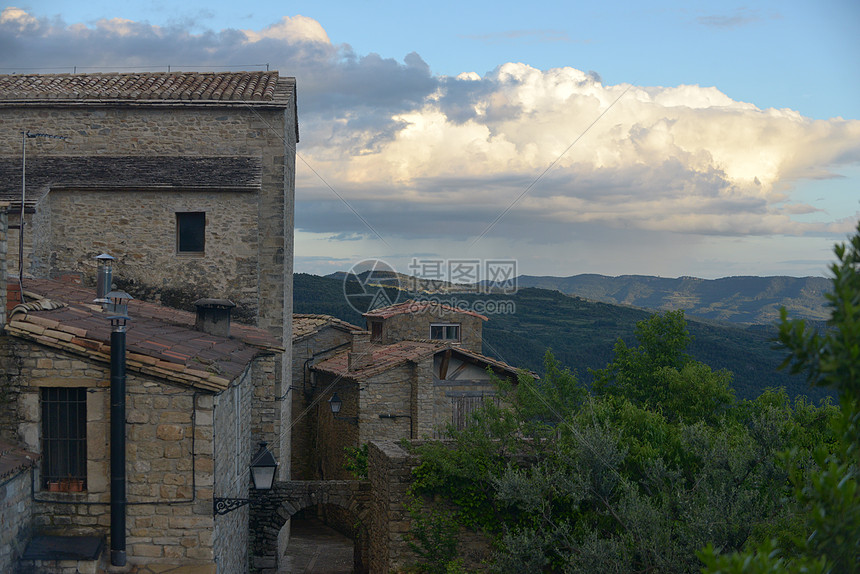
point(660, 375)
point(829, 494)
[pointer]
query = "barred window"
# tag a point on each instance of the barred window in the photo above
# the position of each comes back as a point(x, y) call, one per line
point(64, 438)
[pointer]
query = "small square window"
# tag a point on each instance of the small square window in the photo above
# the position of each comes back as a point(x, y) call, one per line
point(445, 331)
point(190, 232)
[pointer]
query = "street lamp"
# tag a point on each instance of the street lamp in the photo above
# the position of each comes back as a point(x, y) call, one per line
point(263, 467)
point(335, 404)
point(117, 306)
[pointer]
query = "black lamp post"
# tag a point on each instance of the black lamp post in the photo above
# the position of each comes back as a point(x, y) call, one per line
point(335, 403)
point(263, 467)
point(117, 307)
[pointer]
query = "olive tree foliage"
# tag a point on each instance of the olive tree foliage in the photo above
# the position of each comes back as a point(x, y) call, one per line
point(829, 536)
point(658, 462)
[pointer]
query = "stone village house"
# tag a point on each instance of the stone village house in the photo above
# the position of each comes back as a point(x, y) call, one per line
point(417, 368)
point(188, 180)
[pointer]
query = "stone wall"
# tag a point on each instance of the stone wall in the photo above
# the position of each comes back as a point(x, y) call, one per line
point(128, 132)
point(16, 516)
point(318, 347)
point(139, 229)
point(333, 435)
point(233, 452)
point(390, 475)
point(416, 327)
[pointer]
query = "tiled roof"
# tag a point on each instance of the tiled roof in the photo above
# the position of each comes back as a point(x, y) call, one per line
point(385, 357)
point(160, 341)
point(14, 459)
point(263, 87)
point(412, 306)
point(305, 325)
point(382, 358)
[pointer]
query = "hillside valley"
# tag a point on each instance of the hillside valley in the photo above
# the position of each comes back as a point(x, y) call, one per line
point(582, 334)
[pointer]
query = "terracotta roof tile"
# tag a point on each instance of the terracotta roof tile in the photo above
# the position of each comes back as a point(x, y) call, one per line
point(382, 358)
point(413, 306)
point(305, 325)
point(160, 341)
point(385, 357)
point(251, 87)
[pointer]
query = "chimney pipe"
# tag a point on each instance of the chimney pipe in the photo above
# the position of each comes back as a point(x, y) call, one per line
point(213, 316)
point(359, 352)
point(104, 277)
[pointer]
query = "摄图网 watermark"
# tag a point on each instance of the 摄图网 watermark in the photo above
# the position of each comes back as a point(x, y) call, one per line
point(373, 284)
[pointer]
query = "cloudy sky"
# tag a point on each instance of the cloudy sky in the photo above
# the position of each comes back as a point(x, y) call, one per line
point(674, 137)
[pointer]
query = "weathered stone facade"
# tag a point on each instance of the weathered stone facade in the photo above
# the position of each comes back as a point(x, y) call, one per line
point(315, 338)
point(16, 507)
point(413, 321)
point(184, 447)
point(143, 148)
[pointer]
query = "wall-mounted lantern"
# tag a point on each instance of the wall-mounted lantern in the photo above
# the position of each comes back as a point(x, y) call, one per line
point(263, 467)
point(335, 404)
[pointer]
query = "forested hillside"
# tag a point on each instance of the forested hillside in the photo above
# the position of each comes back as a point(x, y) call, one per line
point(582, 334)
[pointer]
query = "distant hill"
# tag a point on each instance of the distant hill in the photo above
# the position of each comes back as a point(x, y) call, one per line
point(583, 333)
point(744, 300)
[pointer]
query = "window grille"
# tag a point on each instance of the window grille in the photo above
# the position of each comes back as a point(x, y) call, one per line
point(64, 438)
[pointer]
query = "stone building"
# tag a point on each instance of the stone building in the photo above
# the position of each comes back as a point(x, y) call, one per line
point(189, 421)
point(414, 371)
point(187, 179)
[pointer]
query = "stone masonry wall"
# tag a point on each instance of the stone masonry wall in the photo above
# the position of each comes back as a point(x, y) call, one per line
point(16, 516)
point(304, 423)
point(416, 326)
point(175, 131)
point(139, 229)
point(388, 393)
point(170, 449)
point(334, 435)
point(233, 452)
point(390, 473)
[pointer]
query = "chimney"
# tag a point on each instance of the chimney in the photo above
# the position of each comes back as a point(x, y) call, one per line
point(104, 276)
point(359, 351)
point(213, 316)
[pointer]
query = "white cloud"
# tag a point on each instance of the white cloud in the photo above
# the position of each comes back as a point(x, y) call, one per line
point(293, 30)
point(416, 153)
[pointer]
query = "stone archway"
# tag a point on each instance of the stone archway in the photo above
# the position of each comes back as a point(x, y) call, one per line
point(270, 511)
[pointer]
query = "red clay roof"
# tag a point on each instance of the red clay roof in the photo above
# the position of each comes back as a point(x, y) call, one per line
point(382, 358)
point(160, 341)
point(305, 325)
point(413, 306)
point(14, 459)
point(150, 87)
point(385, 357)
